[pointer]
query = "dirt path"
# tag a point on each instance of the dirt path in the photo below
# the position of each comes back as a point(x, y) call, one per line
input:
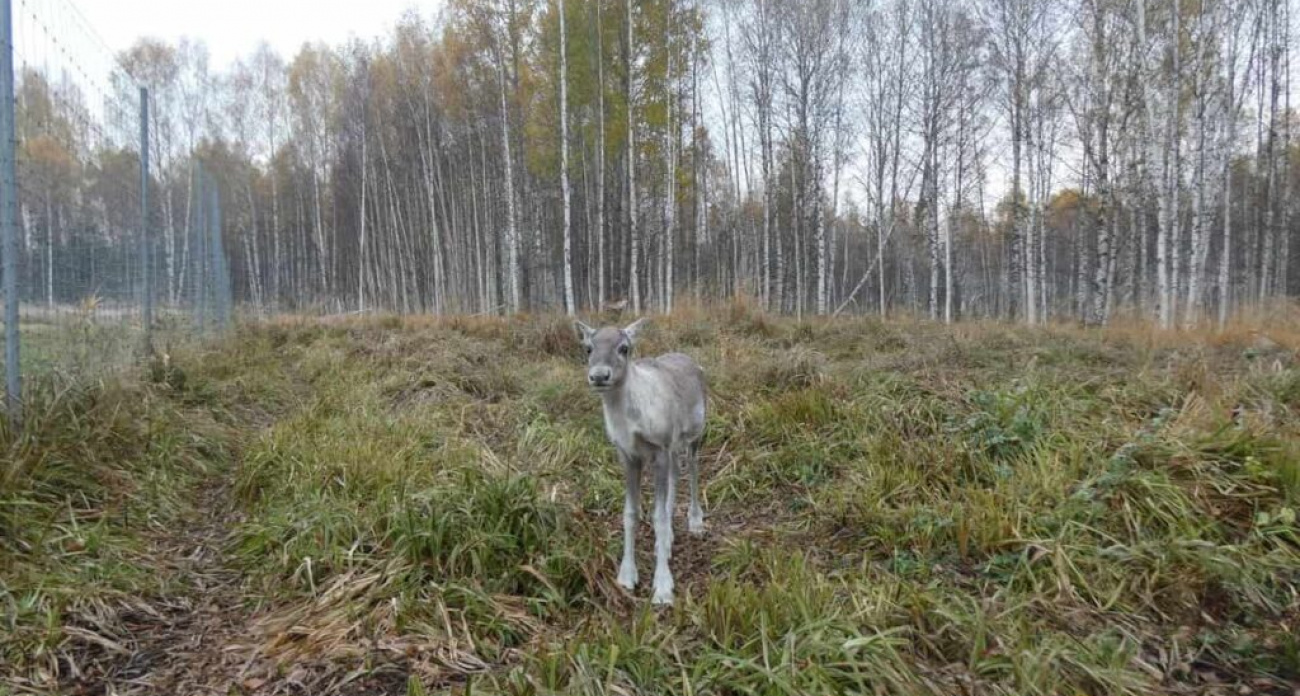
point(180, 643)
point(205, 635)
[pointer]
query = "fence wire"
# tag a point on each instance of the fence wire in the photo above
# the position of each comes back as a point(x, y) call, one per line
point(84, 220)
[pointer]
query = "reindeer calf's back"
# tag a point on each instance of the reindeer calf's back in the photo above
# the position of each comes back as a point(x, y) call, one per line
point(686, 375)
point(685, 379)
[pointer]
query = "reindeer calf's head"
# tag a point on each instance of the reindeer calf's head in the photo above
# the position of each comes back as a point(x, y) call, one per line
point(609, 350)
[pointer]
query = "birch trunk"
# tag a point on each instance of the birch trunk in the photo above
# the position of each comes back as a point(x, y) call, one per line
point(512, 229)
point(601, 260)
point(958, 205)
point(1102, 273)
point(570, 305)
point(1162, 189)
point(670, 204)
point(1267, 246)
point(698, 199)
point(634, 272)
point(322, 253)
point(1016, 293)
point(169, 250)
point(930, 196)
point(255, 265)
point(275, 232)
point(1285, 200)
point(1098, 314)
point(361, 256)
point(1199, 241)
point(1284, 242)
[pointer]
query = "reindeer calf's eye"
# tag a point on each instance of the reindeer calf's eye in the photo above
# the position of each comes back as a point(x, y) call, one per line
point(622, 350)
point(588, 348)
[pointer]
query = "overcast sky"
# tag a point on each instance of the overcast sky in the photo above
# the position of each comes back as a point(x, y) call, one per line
point(233, 28)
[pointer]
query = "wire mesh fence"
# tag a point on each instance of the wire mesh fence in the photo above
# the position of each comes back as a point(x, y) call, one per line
point(80, 254)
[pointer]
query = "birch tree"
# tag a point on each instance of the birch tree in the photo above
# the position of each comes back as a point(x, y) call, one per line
point(634, 235)
point(570, 304)
point(897, 156)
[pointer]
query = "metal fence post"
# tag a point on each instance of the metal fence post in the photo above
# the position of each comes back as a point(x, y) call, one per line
point(8, 214)
point(146, 251)
point(227, 292)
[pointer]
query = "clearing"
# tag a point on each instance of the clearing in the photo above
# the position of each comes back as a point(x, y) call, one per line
point(413, 506)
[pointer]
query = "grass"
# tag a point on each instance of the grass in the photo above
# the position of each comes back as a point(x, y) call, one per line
point(97, 467)
point(894, 507)
point(81, 343)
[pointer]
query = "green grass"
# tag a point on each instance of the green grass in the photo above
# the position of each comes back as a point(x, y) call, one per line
point(893, 507)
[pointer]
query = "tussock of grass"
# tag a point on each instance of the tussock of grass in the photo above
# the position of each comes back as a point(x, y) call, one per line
point(96, 466)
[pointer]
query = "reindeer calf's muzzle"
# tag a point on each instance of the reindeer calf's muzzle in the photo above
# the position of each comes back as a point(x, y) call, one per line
point(599, 376)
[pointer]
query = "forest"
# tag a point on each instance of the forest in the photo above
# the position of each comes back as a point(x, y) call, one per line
point(1030, 160)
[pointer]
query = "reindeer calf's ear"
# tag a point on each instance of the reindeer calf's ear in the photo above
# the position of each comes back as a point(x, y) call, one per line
point(583, 331)
point(636, 328)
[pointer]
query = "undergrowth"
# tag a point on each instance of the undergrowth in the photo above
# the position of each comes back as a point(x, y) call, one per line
point(97, 468)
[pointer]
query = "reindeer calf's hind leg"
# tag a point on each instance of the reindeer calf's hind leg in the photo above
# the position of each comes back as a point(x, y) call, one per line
point(695, 518)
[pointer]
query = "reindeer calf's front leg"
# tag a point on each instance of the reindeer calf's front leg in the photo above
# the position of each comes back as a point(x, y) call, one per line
point(664, 484)
point(627, 575)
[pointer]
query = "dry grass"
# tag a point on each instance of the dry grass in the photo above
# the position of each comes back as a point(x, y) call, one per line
point(894, 507)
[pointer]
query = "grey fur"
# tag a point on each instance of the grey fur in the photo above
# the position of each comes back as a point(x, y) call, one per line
point(654, 412)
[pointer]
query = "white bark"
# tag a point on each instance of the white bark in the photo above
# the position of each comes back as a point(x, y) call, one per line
point(1096, 125)
point(670, 203)
point(1199, 238)
point(512, 229)
point(1159, 153)
point(634, 272)
point(1267, 270)
point(361, 256)
point(601, 260)
point(570, 304)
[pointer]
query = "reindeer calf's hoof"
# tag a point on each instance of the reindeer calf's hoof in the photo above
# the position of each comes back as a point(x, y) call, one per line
point(627, 577)
point(663, 596)
point(695, 525)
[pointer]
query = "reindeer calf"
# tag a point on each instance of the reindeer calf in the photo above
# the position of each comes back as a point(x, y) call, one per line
point(654, 412)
